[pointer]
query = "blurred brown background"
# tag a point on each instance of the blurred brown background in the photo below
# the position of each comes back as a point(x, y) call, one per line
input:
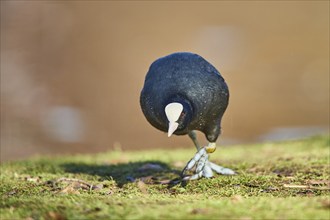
point(72, 71)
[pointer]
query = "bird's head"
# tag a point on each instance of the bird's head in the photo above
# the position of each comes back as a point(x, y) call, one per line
point(178, 116)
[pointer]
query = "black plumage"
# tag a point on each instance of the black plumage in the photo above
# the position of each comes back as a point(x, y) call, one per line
point(188, 79)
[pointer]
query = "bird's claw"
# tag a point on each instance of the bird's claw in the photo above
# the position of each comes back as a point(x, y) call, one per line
point(221, 170)
point(199, 158)
point(204, 168)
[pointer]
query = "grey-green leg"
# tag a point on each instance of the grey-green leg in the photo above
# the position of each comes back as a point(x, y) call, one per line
point(220, 170)
point(193, 137)
point(204, 168)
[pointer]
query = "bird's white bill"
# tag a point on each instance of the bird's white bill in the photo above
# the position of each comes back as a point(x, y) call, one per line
point(172, 127)
point(173, 111)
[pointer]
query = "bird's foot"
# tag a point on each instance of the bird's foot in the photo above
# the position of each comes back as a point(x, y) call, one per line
point(204, 168)
point(220, 170)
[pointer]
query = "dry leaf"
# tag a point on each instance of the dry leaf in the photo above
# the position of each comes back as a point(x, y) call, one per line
point(97, 187)
point(142, 186)
point(55, 216)
point(200, 211)
point(69, 190)
point(32, 179)
point(326, 203)
point(236, 198)
point(147, 179)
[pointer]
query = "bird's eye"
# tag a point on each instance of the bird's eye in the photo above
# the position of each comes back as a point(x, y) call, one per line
point(182, 115)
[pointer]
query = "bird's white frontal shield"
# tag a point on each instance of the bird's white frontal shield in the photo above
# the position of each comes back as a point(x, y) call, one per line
point(173, 112)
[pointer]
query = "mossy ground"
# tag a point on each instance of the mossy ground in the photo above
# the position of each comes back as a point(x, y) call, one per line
point(285, 180)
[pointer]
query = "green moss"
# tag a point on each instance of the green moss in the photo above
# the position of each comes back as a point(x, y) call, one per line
point(285, 180)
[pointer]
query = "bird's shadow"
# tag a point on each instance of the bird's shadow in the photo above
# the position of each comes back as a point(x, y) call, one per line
point(151, 172)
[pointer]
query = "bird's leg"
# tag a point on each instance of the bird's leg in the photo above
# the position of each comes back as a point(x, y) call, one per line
point(193, 137)
point(199, 160)
point(203, 166)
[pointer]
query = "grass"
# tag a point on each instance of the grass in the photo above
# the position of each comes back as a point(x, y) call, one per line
point(284, 180)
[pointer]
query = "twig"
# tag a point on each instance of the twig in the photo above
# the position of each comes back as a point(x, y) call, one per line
point(305, 187)
point(63, 179)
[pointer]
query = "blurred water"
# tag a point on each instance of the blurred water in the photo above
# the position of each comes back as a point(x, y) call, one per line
point(291, 133)
point(65, 124)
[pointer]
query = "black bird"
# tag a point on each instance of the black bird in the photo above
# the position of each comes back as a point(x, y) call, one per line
point(183, 92)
